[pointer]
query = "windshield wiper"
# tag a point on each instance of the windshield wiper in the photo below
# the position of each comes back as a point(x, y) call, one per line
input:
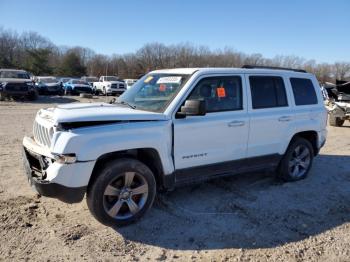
point(126, 103)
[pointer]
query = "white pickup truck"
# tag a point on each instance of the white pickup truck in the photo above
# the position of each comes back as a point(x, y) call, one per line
point(109, 85)
point(174, 127)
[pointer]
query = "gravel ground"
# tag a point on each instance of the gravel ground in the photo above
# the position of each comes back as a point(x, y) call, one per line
point(250, 217)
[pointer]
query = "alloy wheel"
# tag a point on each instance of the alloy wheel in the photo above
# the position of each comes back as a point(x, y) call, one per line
point(300, 161)
point(125, 195)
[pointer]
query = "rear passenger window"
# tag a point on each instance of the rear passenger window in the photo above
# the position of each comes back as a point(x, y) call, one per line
point(222, 93)
point(267, 92)
point(304, 91)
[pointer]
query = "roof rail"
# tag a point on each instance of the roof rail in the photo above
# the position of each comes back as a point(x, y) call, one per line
point(273, 67)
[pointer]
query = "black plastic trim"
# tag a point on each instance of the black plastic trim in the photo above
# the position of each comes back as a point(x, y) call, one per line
point(205, 172)
point(274, 68)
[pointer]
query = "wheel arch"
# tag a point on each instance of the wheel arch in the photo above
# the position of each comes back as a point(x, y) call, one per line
point(148, 156)
point(311, 136)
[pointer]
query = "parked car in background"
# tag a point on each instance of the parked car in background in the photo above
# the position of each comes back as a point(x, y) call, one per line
point(63, 80)
point(90, 79)
point(16, 83)
point(48, 85)
point(129, 82)
point(338, 102)
point(76, 87)
point(109, 85)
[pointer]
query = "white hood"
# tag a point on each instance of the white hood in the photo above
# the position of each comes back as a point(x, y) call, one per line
point(82, 112)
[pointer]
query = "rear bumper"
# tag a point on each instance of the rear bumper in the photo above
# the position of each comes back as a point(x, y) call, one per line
point(322, 138)
point(116, 91)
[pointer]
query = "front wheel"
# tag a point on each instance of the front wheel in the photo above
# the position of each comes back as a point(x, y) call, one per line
point(122, 192)
point(33, 95)
point(297, 161)
point(2, 96)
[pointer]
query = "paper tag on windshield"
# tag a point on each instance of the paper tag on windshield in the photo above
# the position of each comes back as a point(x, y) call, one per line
point(148, 79)
point(169, 80)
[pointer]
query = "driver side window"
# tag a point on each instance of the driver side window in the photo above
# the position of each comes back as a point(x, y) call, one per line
point(222, 93)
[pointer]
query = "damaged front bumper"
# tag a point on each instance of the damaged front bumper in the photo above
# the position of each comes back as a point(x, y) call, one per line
point(66, 182)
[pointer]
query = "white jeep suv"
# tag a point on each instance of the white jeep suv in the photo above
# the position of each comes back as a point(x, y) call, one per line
point(174, 127)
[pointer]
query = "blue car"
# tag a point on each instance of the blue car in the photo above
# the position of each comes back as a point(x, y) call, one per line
point(76, 87)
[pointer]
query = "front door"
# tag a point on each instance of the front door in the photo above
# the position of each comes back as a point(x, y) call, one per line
point(222, 134)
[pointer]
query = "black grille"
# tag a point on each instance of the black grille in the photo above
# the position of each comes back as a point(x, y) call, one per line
point(16, 87)
point(121, 86)
point(114, 85)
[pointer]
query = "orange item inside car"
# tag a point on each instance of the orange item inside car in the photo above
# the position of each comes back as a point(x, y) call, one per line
point(162, 87)
point(221, 92)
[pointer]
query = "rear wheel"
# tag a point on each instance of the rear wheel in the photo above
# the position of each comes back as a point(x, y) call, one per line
point(297, 161)
point(335, 121)
point(122, 192)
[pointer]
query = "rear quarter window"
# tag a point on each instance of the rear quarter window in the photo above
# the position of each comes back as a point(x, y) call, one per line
point(303, 91)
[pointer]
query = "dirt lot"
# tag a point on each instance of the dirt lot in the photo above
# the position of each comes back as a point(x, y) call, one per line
point(247, 217)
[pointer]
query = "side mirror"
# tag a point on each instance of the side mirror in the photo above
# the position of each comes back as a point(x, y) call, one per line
point(193, 108)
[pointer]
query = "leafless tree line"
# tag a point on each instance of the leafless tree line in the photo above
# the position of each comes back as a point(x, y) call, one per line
point(39, 55)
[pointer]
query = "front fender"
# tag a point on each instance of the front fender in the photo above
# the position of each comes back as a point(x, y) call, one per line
point(89, 143)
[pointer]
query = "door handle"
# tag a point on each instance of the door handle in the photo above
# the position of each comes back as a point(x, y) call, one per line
point(236, 123)
point(284, 119)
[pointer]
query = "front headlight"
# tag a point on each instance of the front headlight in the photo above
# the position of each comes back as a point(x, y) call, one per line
point(30, 85)
point(2, 85)
point(65, 158)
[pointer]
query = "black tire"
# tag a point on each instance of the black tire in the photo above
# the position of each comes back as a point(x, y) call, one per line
point(61, 92)
point(33, 95)
point(335, 121)
point(285, 169)
point(2, 96)
point(115, 210)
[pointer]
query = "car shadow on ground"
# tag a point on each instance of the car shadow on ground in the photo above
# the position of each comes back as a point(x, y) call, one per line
point(54, 100)
point(249, 211)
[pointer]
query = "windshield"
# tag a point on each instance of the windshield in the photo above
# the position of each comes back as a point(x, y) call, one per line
point(79, 82)
point(91, 79)
point(154, 92)
point(48, 80)
point(14, 74)
point(111, 78)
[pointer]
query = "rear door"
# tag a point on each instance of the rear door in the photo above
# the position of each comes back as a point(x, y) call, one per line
point(269, 113)
point(220, 135)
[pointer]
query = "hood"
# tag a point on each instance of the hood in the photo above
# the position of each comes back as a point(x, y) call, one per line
point(15, 80)
point(94, 112)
